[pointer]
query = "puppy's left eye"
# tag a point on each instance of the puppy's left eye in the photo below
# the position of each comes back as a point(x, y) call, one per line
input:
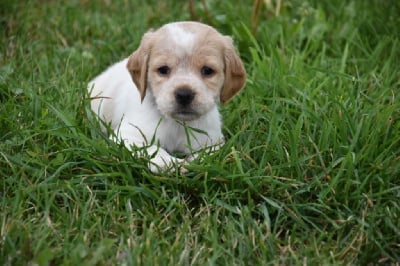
point(207, 71)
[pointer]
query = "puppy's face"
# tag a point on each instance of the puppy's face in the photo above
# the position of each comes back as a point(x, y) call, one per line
point(189, 67)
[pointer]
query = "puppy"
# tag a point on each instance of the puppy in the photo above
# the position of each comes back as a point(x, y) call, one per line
point(180, 73)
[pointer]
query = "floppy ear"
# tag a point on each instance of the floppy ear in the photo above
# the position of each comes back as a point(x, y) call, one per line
point(138, 63)
point(235, 74)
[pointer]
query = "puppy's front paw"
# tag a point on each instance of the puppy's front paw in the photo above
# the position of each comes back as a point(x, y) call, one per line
point(164, 163)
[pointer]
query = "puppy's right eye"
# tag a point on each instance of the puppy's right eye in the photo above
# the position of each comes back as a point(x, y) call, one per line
point(164, 70)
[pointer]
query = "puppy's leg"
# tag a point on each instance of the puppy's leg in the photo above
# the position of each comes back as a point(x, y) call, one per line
point(208, 149)
point(160, 159)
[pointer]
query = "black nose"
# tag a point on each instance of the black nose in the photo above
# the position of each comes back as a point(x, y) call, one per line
point(184, 96)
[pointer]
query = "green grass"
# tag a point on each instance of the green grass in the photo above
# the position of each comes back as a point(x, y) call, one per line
point(310, 173)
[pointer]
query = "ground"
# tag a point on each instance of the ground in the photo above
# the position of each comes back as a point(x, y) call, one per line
point(310, 173)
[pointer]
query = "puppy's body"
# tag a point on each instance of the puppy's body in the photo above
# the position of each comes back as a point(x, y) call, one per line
point(181, 72)
point(136, 122)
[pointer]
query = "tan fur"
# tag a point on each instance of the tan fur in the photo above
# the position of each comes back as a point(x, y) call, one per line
point(138, 63)
point(235, 74)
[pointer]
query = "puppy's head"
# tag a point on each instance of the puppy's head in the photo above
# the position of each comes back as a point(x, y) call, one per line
point(189, 67)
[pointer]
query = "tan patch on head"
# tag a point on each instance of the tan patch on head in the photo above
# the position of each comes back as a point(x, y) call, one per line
point(235, 73)
point(138, 63)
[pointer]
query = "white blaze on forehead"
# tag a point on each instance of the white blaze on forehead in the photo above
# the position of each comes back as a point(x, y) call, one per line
point(183, 38)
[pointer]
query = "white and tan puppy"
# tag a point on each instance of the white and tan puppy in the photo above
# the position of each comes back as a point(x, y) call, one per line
point(181, 72)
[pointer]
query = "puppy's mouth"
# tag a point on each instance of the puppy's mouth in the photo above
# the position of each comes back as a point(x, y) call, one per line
point(185, 115)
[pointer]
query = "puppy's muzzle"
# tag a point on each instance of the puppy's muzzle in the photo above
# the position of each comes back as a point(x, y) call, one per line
point(184, 96)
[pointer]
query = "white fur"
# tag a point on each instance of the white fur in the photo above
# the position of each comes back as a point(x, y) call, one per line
point(182, 38)
point(116, 99)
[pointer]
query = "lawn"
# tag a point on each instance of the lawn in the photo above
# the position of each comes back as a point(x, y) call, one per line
point(309, 174)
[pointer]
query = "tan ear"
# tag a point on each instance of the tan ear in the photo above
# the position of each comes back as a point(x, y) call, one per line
point(235, 74)
point(138, 63)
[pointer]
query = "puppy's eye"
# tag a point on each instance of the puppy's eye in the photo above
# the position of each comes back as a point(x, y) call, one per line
point(207, 71)
point(164, 70)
